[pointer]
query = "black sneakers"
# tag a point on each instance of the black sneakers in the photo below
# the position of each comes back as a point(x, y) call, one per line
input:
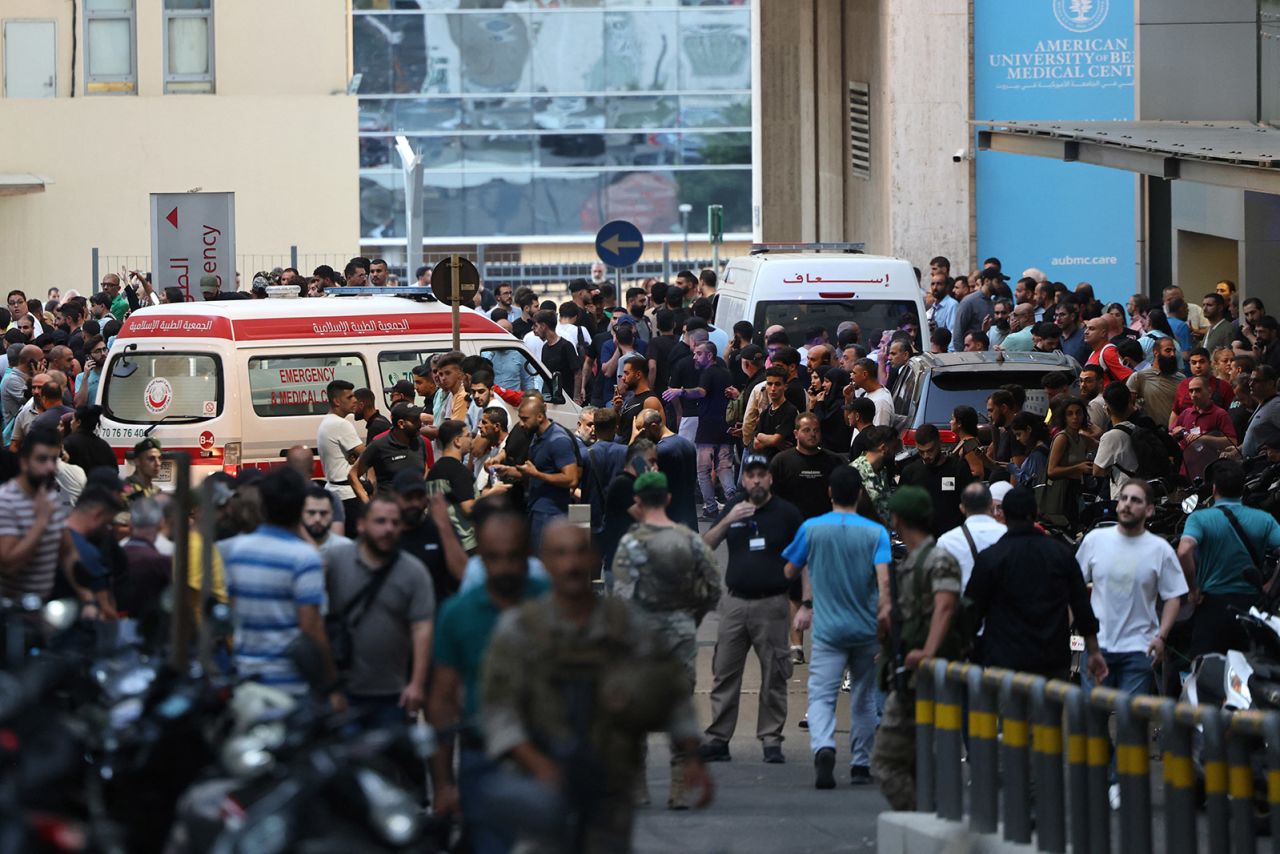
point(824, 767)
point(714, 751)
point(773, 754)
point(860, 775)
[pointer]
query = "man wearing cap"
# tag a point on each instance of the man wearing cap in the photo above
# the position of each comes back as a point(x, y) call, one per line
point(922, 608)
point(1026, 589)
point(844, 560)
point(400, 448)
point(428, 533)
point(754, 614)
point(210, 287)
point(146, 468)
point(978, 530)
point(670, 573)
point(974, 309)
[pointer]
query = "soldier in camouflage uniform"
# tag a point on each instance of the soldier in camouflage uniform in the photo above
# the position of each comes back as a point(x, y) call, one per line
point(928, 597)
point(873, 466)
point(572, 686)
point(670, 573)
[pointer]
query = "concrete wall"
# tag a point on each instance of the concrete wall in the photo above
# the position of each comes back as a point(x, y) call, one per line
point(914, 56)
point(1197, 60)
point(280, 132)
point(1208, 222)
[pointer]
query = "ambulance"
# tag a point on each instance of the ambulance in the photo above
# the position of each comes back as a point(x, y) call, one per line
point(236, 383)
point(803, 287)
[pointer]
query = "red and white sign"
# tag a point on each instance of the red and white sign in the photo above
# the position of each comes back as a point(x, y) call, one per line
point(153, 325)
point(193, 235)
point(158, 396)
point(206, 441)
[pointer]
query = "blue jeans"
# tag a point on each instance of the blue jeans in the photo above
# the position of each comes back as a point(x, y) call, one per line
point(714, 461)
point(1128, 673)
point(475, 773)
point(826, 667)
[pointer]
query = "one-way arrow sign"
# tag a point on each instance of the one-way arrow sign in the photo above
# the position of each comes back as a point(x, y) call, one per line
point(172, 218)
point(619, 243)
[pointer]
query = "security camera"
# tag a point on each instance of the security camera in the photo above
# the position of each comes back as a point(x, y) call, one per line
point(961, 154)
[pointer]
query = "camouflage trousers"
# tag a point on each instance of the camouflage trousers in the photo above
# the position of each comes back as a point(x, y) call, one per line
point(679, 633)
point(893, 758)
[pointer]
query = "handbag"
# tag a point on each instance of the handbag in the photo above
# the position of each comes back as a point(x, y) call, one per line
point(340, 626)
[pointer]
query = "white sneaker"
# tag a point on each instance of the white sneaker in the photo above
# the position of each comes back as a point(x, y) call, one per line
point(1113, 795)
point(846, 684)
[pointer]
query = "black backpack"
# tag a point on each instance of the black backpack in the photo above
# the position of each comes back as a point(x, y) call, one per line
point(1158, 452)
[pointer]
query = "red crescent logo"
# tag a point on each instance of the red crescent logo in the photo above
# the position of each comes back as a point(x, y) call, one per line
point(157, 403)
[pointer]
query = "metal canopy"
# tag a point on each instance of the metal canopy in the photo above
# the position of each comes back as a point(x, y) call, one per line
point(1228, 154)
point(21, 184)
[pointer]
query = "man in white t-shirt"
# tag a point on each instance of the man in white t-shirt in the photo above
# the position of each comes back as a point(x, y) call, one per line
point(1131, 570)
point(340, 446)
point(863, 377)
point(978, 530)
point(1116, 459)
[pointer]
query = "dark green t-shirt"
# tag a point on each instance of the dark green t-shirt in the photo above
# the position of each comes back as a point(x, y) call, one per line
point(463, 628)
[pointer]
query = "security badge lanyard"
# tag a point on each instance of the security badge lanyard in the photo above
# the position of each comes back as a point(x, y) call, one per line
point(756, 542)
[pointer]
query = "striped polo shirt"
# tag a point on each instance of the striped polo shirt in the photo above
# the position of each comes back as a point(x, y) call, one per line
point(17, 515)
point(269, 574)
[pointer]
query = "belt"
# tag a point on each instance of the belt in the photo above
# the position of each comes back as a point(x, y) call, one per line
point(755, 596)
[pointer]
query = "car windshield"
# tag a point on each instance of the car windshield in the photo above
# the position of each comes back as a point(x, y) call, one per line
point(799, 318)
point(142, 388)
point(962, 388)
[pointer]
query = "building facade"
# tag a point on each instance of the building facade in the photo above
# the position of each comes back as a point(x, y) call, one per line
point(106, 101)
point(540, 121)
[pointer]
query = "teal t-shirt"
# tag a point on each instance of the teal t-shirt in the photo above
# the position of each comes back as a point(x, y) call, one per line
point(1220, 556)
point(841, 551)
point(463, 628)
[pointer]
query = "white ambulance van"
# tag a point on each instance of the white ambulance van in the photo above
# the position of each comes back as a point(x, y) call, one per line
point(234, 383)
point(801, 290)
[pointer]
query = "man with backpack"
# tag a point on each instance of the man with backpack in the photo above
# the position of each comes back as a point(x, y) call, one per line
point(1135, 446)
point(1221, 552)
point(925, 599)
point(1104, 354)
point(978, 530)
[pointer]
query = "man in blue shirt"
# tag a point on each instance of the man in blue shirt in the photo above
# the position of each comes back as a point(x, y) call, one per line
point(552, 470)
point(844, 561)
point(1215, 559)
point(276, 584)
point(943, 311)
point(463, 629)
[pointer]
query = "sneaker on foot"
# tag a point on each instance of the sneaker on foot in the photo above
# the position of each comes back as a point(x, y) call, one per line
point(773, 755)
point(846, 684)
point(859, 775)
point(1113, 795)
point(824, 767)
point(714, 751)
point(797, 655)
point(804, 722)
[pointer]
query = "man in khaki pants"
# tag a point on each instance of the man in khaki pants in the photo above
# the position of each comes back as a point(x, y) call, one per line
point(753, 610)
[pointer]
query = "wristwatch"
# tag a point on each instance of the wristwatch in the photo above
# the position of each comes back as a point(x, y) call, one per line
point(807, 603)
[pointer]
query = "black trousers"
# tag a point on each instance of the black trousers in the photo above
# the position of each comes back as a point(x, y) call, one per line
point(1214, 627)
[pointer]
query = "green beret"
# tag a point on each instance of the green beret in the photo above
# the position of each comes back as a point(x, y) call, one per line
point(146, 445)
point(912, 503)
point(651, 481)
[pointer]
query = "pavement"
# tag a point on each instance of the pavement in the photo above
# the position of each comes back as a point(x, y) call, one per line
point(759, 807)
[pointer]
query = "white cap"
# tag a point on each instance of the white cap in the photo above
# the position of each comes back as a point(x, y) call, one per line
point(999, 490)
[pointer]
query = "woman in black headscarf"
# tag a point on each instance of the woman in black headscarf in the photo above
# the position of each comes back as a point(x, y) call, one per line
point(828, 405)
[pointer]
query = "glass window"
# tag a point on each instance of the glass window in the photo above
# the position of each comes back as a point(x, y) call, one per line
point(145, 388)
point(715, 49)
point(875, 317)
point(951, 389)
point(639, 51)
point(514, 369)
point(568, 53)
point(730, 187)
point(497, 113)
point(390, 53)
point(396, 365)
point(500, 151)
point(495, 203)
point(701, 111)
point(641, 111)
point(295, 385)
point(109, 47)
point(582, 113)
point(188, 46)
point(382, 203)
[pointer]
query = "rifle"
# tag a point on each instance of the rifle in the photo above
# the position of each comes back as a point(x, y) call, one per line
point(900, 677)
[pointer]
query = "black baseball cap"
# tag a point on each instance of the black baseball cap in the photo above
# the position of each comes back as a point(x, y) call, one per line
point(579, 285)
point(404, 387)
point(752, 353)
point(755, 461)
point(408, 481)
point(406, 412)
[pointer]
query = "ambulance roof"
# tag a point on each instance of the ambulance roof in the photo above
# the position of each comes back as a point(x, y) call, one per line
point(247, 321)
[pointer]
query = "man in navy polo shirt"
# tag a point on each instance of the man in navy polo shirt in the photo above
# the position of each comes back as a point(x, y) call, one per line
point(552, 470)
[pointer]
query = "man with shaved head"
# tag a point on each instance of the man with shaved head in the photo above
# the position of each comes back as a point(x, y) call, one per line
point(539, 652)
point(552, 469)
point(13, 391)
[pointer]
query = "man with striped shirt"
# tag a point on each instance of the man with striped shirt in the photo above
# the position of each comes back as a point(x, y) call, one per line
point(276, 584)
point(33, 519)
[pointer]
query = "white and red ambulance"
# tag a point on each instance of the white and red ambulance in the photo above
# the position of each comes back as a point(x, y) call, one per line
point(235, 383)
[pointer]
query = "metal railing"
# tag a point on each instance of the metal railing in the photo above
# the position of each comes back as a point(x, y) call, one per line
point(1043, 746)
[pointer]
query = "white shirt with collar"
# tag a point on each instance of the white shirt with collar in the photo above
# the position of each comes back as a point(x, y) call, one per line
point(984, 529)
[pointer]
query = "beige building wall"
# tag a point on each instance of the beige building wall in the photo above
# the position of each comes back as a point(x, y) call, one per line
point(914, 56)
point(279, 132)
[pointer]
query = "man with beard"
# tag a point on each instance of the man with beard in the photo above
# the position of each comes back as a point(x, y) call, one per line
point(428, 533)
point(678, 460)
point(637, 303)
point(317, 519)
point(399, 449)
point(633, 379)
point(754, 612)
point(1156, 387)
point(1001, 323)
point(383, 595)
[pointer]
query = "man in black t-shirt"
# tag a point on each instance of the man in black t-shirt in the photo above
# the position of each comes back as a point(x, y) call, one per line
point(558, 355)
point(424, 521)
point(527, 301)
point(800, 473)
point(945, 476)
point(659, 352)
point(684, 378)
point(789, 358)
point(715, 457)
point(756, 526)
point(367, 411)
point(400, 448)
point(776, 429)
point(455, 480)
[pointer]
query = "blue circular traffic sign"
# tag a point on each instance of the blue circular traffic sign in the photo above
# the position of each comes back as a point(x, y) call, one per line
point(619, 243)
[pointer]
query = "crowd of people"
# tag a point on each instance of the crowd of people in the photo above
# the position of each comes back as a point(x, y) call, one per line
point(440, 566)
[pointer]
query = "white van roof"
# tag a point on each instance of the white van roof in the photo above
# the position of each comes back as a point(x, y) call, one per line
point(246, 322)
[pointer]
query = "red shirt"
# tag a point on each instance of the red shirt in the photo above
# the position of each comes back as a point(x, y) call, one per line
point(1213, 420)
point(1222, 394)
point(1113, 370)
